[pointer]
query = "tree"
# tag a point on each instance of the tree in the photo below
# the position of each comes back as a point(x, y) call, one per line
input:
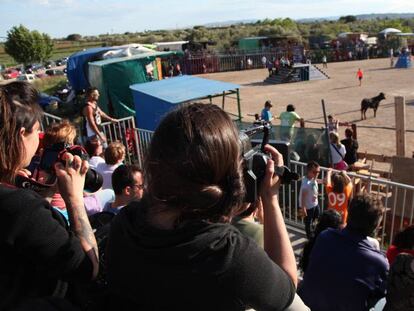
point(27, 46)
point(74, 37)
point(347, 19)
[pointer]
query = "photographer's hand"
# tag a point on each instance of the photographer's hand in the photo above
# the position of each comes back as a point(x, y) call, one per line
point(276, 239)
point(71, 180)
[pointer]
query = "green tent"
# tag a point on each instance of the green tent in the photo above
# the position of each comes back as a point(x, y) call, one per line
point(251, 43)
point(112, 77)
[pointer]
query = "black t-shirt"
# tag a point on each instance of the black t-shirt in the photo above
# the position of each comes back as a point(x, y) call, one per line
point(351, 147)
point(197, 266)
point(36, 248)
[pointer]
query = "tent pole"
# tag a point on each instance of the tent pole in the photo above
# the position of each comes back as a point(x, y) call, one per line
point(238, 104)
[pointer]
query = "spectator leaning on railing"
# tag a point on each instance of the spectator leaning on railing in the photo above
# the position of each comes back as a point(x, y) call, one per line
point(37, 249)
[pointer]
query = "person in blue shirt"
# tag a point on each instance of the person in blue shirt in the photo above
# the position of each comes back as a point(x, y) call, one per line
point(266, 115)
point(345, 270)
point(128, 185)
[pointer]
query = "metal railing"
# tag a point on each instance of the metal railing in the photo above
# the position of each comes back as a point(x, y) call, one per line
point(48, 119)
point(124, 131)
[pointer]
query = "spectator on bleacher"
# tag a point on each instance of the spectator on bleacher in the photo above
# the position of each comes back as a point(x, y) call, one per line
point(128, 185)
point(339, 190)
point(245, 222)
point(308, 197)
point(266, 114)
point(328, 219)
point(351, 147)
point(333, 124)
point(57, 137)
point(114, 155)
point(39, 253)
point(287, 122)
point(93, 116)
point(94, 148)
point(337, 152)
point(175, 249)
point(403, 243)
point(345, 271)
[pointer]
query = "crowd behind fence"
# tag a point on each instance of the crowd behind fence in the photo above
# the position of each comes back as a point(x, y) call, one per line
point(214, 61)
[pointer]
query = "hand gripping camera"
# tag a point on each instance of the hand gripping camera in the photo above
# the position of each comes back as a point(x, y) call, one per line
point(255, 160)
point(52, 155)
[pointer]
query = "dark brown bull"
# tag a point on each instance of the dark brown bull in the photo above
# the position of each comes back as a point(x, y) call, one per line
point(371, 103)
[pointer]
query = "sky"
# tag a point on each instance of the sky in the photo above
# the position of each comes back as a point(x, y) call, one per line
point(59, 18)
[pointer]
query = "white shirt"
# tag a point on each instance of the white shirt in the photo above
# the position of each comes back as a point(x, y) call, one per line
point(106, 171)
point(336, 157)
point(311, 199)
point(94, 161)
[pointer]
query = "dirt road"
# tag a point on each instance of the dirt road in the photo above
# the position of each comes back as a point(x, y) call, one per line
point(342, 96)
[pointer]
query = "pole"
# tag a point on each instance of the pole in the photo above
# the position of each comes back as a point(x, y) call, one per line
point(400, 124)
point(238, 104)
point(326, 132)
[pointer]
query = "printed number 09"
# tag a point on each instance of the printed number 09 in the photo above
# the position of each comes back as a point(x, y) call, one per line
point(336, 198)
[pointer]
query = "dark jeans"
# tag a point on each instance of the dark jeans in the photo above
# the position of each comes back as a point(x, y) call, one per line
point(312, 215)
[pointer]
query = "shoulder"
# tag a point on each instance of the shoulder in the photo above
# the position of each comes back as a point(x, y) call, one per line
point(16, 200)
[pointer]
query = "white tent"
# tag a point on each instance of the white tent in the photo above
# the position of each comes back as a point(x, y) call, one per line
point(387, 31)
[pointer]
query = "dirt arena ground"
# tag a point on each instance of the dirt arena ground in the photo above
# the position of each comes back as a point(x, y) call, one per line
point(342, 97)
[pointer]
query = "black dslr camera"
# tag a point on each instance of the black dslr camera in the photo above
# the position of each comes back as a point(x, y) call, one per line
point(255, 161)
point(52, 155)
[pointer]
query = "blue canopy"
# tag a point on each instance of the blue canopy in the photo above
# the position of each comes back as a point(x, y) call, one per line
point(154, 99)
point(183, 88)
point(77, 66)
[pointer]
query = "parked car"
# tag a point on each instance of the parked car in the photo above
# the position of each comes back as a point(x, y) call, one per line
point(45, 100)
point(54, 72)
point(61, 62)
point(50, 64)
point(29, 77)
point(32, 68)
point(11, 74)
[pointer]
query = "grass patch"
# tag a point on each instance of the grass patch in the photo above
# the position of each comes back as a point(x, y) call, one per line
point(50, 85)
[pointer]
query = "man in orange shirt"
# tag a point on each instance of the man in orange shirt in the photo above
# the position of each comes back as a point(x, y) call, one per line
point(360, 75)
point(339, 190)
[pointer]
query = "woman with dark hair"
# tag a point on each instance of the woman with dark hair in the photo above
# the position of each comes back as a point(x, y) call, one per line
point(329, 219)
point(175, 249)
point(351, 147)
point(38, 252)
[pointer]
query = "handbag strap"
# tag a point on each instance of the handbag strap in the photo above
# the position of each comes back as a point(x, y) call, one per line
point(336, 149)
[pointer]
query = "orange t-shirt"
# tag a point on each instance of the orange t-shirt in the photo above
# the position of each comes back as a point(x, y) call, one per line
point(339, 201)
point(360, 74)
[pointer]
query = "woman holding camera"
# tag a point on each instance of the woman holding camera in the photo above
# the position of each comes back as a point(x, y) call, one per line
point(175, 249)
point(39, 254)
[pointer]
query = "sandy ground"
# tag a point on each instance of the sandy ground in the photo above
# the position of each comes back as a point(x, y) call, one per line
point(342, 97)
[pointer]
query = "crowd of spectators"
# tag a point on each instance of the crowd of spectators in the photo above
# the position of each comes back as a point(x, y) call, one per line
point(179, 235)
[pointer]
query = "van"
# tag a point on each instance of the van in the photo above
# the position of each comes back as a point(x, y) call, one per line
point(29, 77)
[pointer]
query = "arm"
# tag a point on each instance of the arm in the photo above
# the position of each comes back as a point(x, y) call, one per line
point(88, 113)
point(304, 193)
point(329, 177)
point(106, 117)
point(71, 181)
point(347, 178)
point(276, 239)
